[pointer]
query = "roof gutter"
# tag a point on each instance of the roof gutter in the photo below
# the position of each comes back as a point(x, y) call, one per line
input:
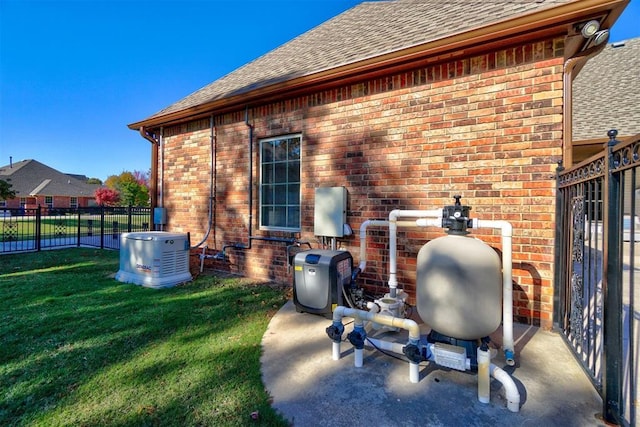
point(545, 23)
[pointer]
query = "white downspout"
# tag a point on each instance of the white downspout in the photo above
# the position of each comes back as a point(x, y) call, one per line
point(511, 390)
point(507, 284)
point(393, 239)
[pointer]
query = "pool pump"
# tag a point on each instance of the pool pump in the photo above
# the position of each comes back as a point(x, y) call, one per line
point(463, 293)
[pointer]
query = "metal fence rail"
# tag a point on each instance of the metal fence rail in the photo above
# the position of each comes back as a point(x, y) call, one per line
point(24, 230)
point(597, 300)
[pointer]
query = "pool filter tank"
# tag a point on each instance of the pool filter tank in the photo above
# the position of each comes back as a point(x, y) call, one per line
point(459, 281)
point(318, 279)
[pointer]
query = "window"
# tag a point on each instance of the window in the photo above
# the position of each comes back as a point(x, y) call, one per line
point(48, 200)
point(23, 202)
point(3, 203)
point(280, 183)
point(73, 202)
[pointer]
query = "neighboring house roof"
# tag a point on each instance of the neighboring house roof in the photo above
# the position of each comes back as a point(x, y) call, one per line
point(371, 30)
point(32, 178)
point(606, 93)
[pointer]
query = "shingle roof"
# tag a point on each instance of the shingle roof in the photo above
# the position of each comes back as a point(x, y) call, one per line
point(606, 93)
point(30, 177)
point(370, 29)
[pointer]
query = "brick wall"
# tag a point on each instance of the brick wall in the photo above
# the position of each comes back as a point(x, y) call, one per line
point(488, 128)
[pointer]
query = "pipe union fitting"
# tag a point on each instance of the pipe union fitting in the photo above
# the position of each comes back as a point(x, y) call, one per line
point(357, 337)
point(335, 331)
point(412, 352)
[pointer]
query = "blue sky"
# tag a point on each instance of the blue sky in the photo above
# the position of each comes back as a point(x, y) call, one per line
point(73, 74)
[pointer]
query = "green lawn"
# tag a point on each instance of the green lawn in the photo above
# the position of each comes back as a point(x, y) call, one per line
point(78, 348)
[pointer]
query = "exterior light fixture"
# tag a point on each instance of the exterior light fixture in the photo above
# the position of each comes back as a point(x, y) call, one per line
point(590, 28)
point(600, 37)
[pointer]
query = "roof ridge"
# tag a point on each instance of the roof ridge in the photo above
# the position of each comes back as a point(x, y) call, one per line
point(367, 30)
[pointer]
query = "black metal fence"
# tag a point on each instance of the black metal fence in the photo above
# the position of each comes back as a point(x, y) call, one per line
point(597, 300)
point(28, 230)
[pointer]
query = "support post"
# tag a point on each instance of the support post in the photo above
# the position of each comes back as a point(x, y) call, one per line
point(612, 327)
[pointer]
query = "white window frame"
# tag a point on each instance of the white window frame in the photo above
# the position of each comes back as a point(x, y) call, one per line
point(73, 202)
point(48, 201)
point(271, 202)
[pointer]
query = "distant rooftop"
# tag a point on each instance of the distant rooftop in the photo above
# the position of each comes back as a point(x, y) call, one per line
point(31, 178)
point(606, 93)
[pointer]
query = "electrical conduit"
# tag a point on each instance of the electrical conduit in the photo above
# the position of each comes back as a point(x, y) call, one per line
point(211, 187)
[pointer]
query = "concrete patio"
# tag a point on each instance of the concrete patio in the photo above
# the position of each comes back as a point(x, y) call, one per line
point(309, 388)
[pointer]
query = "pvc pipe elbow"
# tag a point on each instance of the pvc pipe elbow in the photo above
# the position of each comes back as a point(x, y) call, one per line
point(373, 307)
point(511, 390)
point(505, 226)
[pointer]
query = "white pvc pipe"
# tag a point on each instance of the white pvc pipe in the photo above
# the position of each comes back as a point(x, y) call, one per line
point(397, 322)
point(429, 222)
point(507, 284)
point(363, 236)
point(484, 363)
point(396, 347)
point(393, 239)
point(361, 316)
point(363, 239)
point(511, 390)
point(335, 351)
point(358, 355)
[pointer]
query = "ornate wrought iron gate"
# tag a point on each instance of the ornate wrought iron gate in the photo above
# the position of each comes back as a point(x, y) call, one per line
point(597, 278)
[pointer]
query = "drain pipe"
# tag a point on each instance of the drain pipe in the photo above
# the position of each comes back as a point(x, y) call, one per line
point(507, 284)
point(155, 148)
point(358, 335)
point(511, 390)
point(393, 239)
point(211, 185)
point(251, 237)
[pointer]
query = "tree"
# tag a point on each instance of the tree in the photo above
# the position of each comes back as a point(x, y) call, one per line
point(132, 187)
point(107, 196)
point(5, 190)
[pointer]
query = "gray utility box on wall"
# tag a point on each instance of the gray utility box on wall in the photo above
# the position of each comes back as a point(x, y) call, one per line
point(330, 211)
point(319, 276)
